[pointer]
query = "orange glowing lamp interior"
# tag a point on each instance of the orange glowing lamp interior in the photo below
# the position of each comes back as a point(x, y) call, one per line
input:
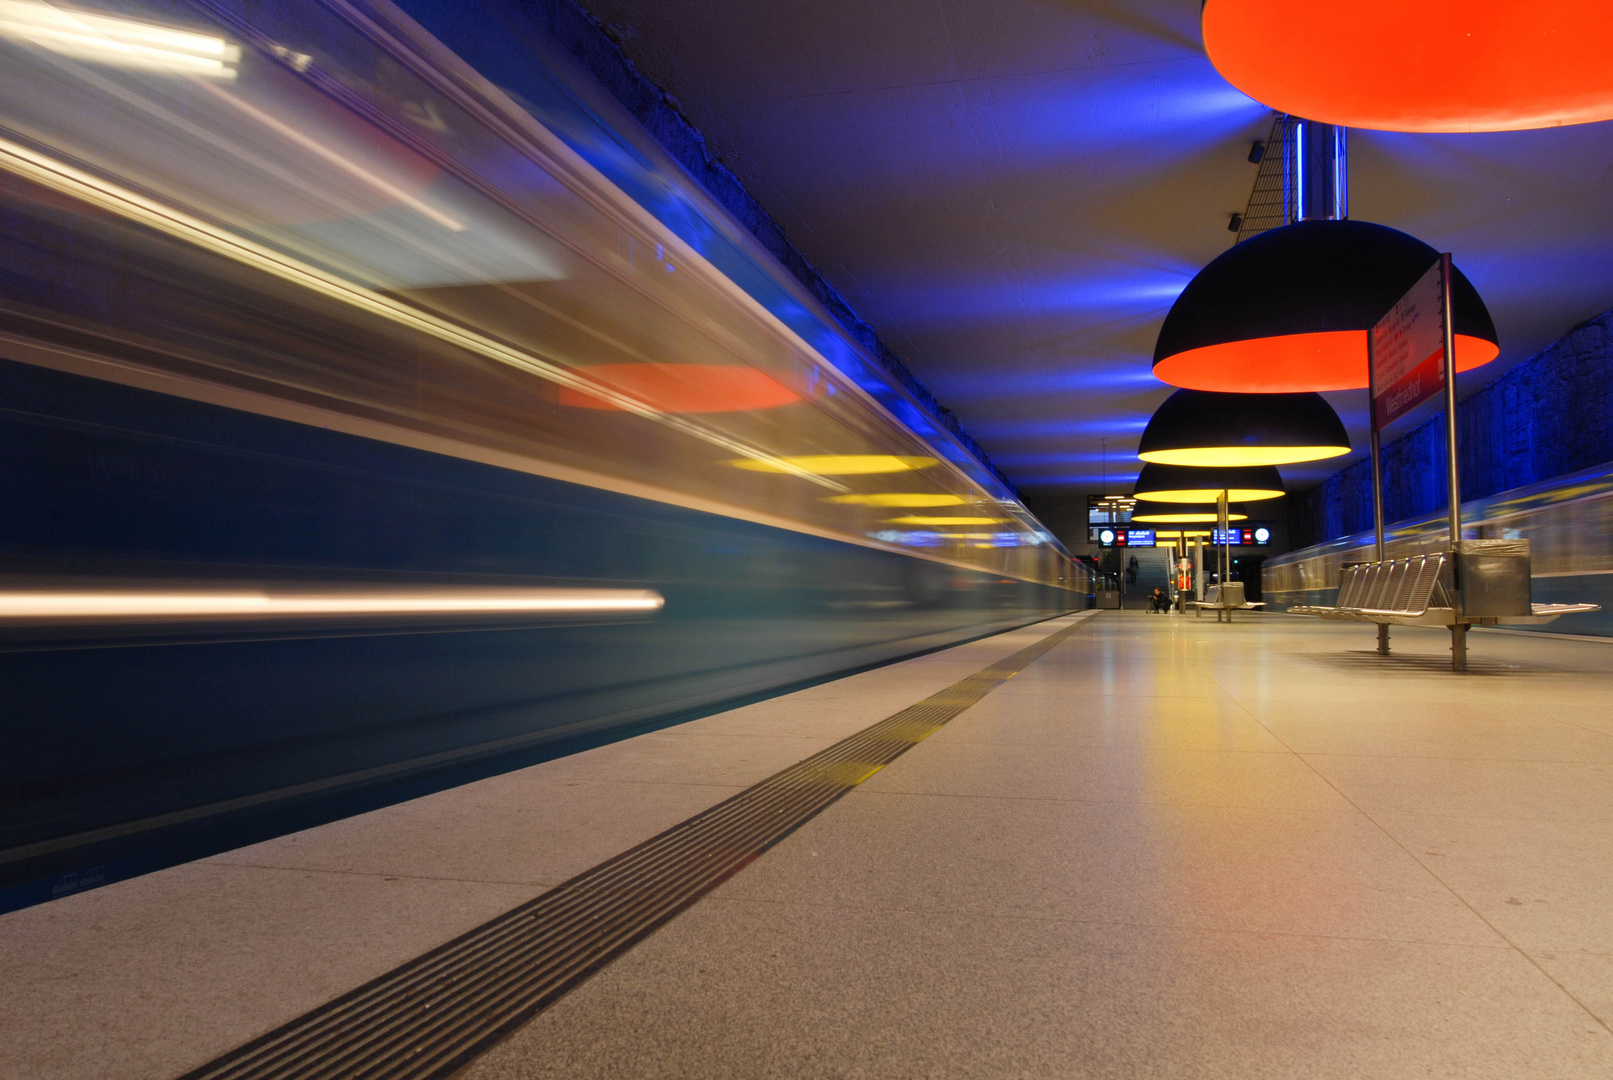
point(682, 388)
point(1293, 363)
point(1430, 65)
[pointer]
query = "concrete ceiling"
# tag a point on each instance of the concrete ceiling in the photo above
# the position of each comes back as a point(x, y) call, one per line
point(1012, 192)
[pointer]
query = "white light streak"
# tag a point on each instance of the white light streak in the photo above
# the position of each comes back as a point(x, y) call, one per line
point(118, 42)
point(177, 603)
point(91, 189)
point(326, 154)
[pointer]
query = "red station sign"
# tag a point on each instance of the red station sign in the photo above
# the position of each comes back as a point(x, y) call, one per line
point(1408, 351)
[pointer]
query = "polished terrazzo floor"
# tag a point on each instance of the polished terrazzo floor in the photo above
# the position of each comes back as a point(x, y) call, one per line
point(1168, 848)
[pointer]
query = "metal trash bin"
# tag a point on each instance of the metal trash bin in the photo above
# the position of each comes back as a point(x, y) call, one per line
point(1491, 578)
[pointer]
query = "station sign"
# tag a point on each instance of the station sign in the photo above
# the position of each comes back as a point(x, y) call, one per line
point(1126, 537)
point(1408, 350)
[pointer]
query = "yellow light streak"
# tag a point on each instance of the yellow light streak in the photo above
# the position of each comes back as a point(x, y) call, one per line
point(921, 519)
point(836, 464)
point(92, 605)
point(107, 196)
point(898, 499)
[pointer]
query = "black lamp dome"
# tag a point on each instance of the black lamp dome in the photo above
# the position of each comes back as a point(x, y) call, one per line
point(1288, 310)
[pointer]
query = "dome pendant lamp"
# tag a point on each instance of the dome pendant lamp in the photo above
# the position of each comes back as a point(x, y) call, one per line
point(1186, 484)
point(1433, 65)
point(1288, 311)
point(1198, 427)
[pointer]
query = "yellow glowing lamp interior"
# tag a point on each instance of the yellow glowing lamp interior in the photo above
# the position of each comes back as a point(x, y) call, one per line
point(1187, 518)
point(835, 464)
point(899, 499)
point(1227, 456)
point(922, 519)
point(1196, 495)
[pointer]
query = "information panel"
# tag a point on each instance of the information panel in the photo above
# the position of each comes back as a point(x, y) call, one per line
point(1408, 351)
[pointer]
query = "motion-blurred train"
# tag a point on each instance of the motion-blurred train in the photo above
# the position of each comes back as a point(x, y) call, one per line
point(373, 422)
point(1568, 522)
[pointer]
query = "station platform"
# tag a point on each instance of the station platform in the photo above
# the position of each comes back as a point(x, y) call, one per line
point(1109, 845)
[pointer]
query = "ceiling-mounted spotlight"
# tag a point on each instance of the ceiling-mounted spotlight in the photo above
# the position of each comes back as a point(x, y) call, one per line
point(1289, 310)
point(1197, 427)
point(1439, 65)
point(1167, 514)
point(1187, 484)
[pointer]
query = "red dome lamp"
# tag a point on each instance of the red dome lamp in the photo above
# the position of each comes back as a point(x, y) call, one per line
point(1432, 65)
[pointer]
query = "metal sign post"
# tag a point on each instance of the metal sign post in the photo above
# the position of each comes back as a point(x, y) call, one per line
point(1198, 568)
point(1411, 356)
point(1223, 561)
point(1377, 472)
point(1453, 477)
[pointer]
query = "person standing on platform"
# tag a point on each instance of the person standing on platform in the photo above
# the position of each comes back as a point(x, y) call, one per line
point(1131, 571)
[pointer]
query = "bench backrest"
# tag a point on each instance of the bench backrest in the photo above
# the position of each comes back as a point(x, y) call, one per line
point(1392, 587)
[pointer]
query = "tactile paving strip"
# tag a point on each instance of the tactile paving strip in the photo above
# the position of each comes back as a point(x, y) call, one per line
point(431, 1016)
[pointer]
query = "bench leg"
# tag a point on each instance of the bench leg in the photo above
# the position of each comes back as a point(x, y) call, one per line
point(1383, 639)
point(1459, 647)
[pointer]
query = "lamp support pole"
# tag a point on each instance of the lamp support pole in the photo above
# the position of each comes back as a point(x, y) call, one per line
point(1452, 474)
point(1377, 475)
point(1223, 562)
point(1318, 170)
point(1198, 568)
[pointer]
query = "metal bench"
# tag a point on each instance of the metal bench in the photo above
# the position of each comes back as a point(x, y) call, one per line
point(1224, 600)
point(1417, 590)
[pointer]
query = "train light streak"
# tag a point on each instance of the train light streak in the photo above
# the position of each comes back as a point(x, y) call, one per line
point(837, 464)
point(91, 605)
point(905, 500)
point(112, 198)
point(118, 42)
point(923, 519)
point(331, 157)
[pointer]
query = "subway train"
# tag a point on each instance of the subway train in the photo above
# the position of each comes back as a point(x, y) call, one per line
point(1568, 522)
point(372, 425)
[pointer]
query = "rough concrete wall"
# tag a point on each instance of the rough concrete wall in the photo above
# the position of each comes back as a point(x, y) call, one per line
point(590, 43)
point(1550, 415)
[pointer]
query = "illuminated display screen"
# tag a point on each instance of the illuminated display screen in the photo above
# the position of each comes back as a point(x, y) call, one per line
point(1255, 537)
